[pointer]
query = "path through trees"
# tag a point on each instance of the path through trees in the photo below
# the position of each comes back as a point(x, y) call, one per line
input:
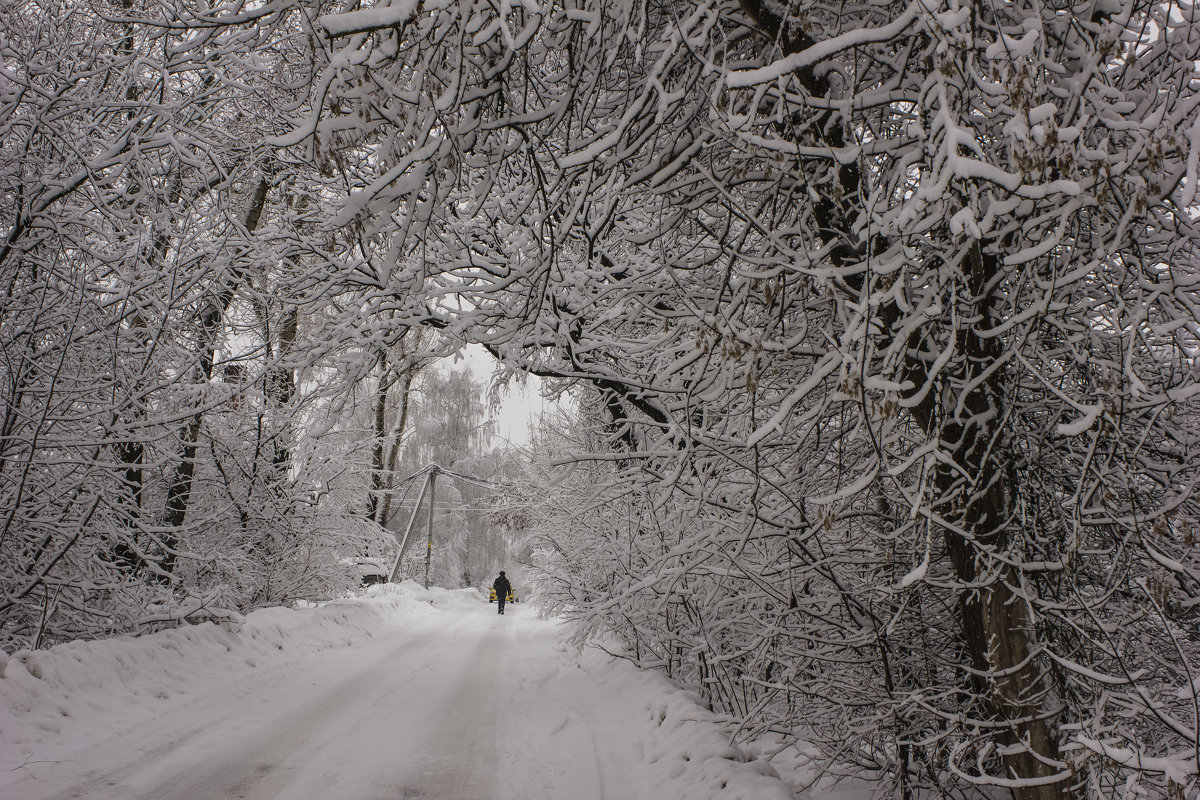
point(882, 320)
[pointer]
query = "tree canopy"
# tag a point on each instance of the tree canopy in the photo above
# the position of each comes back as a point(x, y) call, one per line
point(883, 320)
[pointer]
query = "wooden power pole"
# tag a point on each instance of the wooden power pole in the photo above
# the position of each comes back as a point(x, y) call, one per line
point(412, 521)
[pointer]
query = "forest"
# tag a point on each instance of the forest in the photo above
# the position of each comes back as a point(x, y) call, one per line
point(877, 325)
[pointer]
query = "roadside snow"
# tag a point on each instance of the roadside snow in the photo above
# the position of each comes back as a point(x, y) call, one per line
point(398, 692)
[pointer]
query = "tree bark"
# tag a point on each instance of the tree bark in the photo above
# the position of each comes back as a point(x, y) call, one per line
point(397, 435)
point(379, 431)
point(995, 621)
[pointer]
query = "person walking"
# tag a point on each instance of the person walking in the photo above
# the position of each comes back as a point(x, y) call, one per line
point(502, 587)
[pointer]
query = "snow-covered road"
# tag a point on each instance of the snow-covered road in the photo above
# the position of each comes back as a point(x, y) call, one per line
point(432, 696)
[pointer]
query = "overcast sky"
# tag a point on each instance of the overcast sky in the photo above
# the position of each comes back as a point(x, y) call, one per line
point(520, 405)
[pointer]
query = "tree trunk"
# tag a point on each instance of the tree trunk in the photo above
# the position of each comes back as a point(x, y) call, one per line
point(379, 432)
point(995, 622)
point(281, 385)
point(212, 318)
point(995, 625)
point(397, 436)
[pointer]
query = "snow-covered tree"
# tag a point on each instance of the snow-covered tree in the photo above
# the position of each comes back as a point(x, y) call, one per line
point(884, 317)
point(163, 275)
point(900, 298)
point(450, 430)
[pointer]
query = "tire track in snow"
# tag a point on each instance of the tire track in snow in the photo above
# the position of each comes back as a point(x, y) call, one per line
point(456, 759)
point(271, 741)
point(448, 701)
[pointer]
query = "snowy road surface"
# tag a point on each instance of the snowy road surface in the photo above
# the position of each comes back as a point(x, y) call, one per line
point(422, 696)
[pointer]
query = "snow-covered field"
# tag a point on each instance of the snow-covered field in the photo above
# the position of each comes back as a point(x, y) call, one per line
point(399, 693)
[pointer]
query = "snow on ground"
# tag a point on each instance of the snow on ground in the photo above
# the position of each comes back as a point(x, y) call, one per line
point(398, 693)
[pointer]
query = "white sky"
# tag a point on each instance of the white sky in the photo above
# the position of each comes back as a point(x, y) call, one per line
point(521, 405)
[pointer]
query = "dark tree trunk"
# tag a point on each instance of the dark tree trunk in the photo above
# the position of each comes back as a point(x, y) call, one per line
point(995, 625)
point(995, 622)
point(212, 318)
point(379, 434)
point(397, 436)
point(281, 385)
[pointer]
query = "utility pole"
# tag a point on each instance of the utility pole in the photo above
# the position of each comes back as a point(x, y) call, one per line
point(412, 520)
point(429, 540)
point(430, 472)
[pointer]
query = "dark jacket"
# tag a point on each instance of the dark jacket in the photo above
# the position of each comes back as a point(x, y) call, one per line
point(502, 587)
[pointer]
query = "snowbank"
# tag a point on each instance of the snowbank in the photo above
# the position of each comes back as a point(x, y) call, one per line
point(686, 750)
point(690, 745)
point(108, 684)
